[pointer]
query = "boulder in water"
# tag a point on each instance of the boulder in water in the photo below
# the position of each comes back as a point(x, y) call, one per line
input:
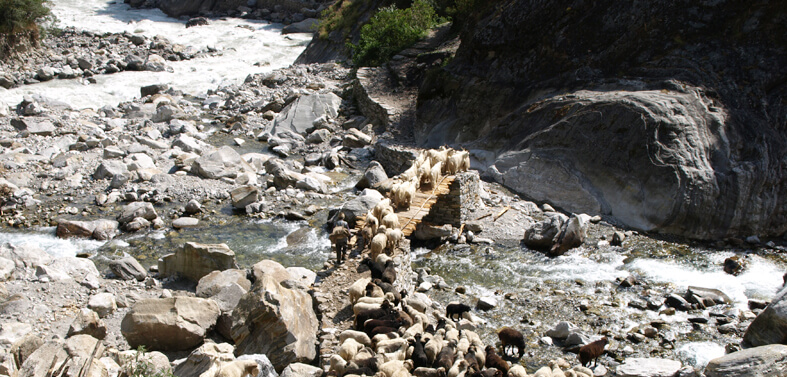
point(648, 367)
point(770, 326)
point(196, 260)
point(770, 360)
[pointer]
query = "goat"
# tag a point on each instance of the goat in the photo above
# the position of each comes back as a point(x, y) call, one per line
point(391, 221)
point(419, 355)
point(379, 242)
point(445, 358)
point(517, 371)
point(592, 351)
point(381, 206)
point(371, 324)
point(375, 268)
point(362, 316)
point(452, 310)
point(429, 372)
point(510, 339)
point(495, 361)
point(394, 236)
point(434, 174)
point(389, 288)
point(389, 273)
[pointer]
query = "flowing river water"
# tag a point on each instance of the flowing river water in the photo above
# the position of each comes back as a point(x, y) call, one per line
point(534, 282)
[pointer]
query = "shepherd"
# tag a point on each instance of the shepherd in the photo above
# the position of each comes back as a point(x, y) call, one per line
point(339, 237)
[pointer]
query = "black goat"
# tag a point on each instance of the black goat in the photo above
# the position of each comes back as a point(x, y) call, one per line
point(456, 309)
point(389, 273)
point(364, 315)
point(375, 268)
point(419, 355)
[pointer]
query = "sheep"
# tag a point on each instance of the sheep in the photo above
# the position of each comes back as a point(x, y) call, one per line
point(358, 336)
point(451, 333)
point(434, 174)
point(349, 348)
point(392, 367)
point(429, 372)
point(384, 337)
point(459, 367)
point(419, 355)
point(391, 345)
point(371, 324)
point(358, 289)
point(371, 300)
point(489, 372)
point(410, 173)
point(365, 306)
point(375, 268)
point(452, 310)
point(389, 288)
point(510, 339)
point(417, 316)
point(433, 347)
point(457, 161)
point(446, 356)
point(239, 368)
point(394, 236)
point(517, 370)
point(389, 273)
point(391, 221)
point(385, 309)
point(366, 236)
point(337, 364)
point(371, 221)
point(464, 344)
point(373, 291)
point(384, 330)
point(402, 373)
point(472, 360)
point(495, 361)
point(379, 242)
point(414, 330)
point(380, 207)
point(592, 351)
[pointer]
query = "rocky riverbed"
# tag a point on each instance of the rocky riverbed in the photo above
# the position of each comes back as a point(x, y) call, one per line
point(272, 156)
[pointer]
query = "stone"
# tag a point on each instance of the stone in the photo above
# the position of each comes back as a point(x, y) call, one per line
point(276, 321)
point(103, 304)
point(7, 268)
point(196, 260)
point(169, 324)
point(35, 126)
point(137, 224)
point(110, 168)
point(10, 332)
point(648, 367)
point(309, 183)
point(765, 361)
point(82, 270)
point(572, 235)
point(88, 322)
point(425, 231)
point(706, 297)
point(24, 347)
point(301, 370)
point(677, 302)
point(244, 195)
point(135, 210)
point(139, 161)
point(223, 162)
point(358, 206)
point(373, 175)
point(101, 230)
point(542, 235)
point(149, 90)
point(486, 303)
point(185, 222)
point(318, 136)
point(304, 276)
point(356, 139)
point(299, 116)
point(206, 360)
point(617, 238)
point(189, 144)
point(266, 368)
point(71, 354)
point(770, 326)
point(25, 255)
point(193, 207)
point(212, 283)
point(308, 25)
point(561, 330)
point(270, 268)
point(45, 74)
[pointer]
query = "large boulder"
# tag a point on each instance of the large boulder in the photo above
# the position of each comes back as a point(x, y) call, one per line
point(206, 360)
point(108, 169)
point(276, 321)
point(213, 283)
point(657, 137)
point(542, 235)
point(770, 326)
point(299, 116)
point(358, 206)
point(223, 162)
point(72, 355)
point(169, 324)
point(572, 235)
point(763, 361)
point(135, 210)
point(373, 175)
point(196, 260)
point(244, 195)
point(648, 367)
point(35, 126)
point(128, 268)
point(101, 230)
point(706, 297)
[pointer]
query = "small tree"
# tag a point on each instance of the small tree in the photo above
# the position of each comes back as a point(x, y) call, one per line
point(21, 15)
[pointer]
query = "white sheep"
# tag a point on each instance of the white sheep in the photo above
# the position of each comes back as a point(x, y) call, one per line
point(337, 364)
point(423, 174)
point(384, 337)
point(391, 221)
point(382, 259)
point(358, 336)
point(358, 289)
point(434, 174)
point(390, 368)
point(371, 300)
point(457, 161)
point(394, 236)
point(391, 345)
point(380, 206)
point(361, 306)
point(400, 355)
point(517, 370)
point(417, 328)
point(451, 333)
point(349, 348)
point(379, 242)
point(464, 344)
point(239, 368)
point(429, 372)
point(433, 347)
point(459, 367)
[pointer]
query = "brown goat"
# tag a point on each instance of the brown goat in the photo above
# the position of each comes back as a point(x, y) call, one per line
point(592, 351)
point(510, 339)
point(495, 361)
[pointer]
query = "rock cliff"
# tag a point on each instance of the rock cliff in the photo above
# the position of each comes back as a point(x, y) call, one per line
point(669, 116)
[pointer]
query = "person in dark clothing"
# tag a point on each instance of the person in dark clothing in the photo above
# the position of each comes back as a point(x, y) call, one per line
point(340, 235)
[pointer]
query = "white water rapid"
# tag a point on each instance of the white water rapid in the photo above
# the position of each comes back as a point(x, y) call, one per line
point(245, 46)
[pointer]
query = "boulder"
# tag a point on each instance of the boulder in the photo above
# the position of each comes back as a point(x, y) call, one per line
point(763, 361)
point(169, 324)
point(196, 260)
point(139, 161)
point(109, 169)
point(301, 370)
point(7, 268)
point(358, 206)
point(223, 162)
point(304, 276)
point(541, 235)
point(206, 360)
point(266, 368)
point(270, 268)
point(87, 322)
point(191, 145)
point(770, 326)
point(706, 297)
point(82, 270)
point(71, 354)
point(185, 222)
point(213, 283)
point(35, 126)
point(561, 330)
point(25, 255)
point(193, 207)
point(101, 230)
point(103, 304)
point(299, 116)
point(486, 303)
point(135, 210)
point(10, 332)
point(572, 235)
point(425, 231)
point(244, 195)
point(318, 136)
point(308, 25)
point(276, 321)
point(25, 347)
point(356, 139)
point(373, 175)
point(309, 183)
point(648, 367)
point(677, 302)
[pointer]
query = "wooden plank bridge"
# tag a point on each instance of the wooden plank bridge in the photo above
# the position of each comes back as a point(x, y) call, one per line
point(424, 199)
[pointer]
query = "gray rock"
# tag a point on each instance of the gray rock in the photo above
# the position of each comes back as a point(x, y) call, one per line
point(185, 222)
point(763, 361)
point(373, 175)
point(648, 367)
point(196, 260)
point(103, 304)
point(301, 370)
point(71, 354)
point(25, 347)
point(309, 183)
point(87, 322)
point(299, 116)
point(425, 231)
point(111, 152)
point(356, 139)
point(561, 330)
point(244, 195)
point(45, 74)
point(542, 235)
point(706, 297)
point(304, 276)
point(137, 224)
point(170, 324)
point(308, 25)
point(677, 302)
point(35, 126)
point(318, 136)
point(128, 268)
point(193, 207)
point(266, 368)
point(770, 326)
point(212, 283)
point(7, 268)
point(109, 169)
point(189, 144)
point(617, 238)
point(572, 235)
point(487, 303)
point(10, 332)
point(358, 206)
point(224, 162)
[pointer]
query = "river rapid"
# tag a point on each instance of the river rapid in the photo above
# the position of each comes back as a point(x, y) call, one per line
point(530, 287)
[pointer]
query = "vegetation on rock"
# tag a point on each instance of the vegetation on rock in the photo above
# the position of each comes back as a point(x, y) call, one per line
point(22, 15)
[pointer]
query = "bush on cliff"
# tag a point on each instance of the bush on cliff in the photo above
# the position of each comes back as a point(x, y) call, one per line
point(390, 31)
point(21, 15)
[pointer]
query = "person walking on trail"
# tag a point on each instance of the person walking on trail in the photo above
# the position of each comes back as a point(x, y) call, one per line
point(339, 237)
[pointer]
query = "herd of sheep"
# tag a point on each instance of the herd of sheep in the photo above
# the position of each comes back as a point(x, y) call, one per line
point(392, 335)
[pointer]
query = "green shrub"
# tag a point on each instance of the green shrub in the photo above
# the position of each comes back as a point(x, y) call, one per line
point(22, 15)
point(390, 31)
point(142, 367)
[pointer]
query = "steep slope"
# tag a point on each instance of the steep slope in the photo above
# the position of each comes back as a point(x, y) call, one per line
point(668, 115)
